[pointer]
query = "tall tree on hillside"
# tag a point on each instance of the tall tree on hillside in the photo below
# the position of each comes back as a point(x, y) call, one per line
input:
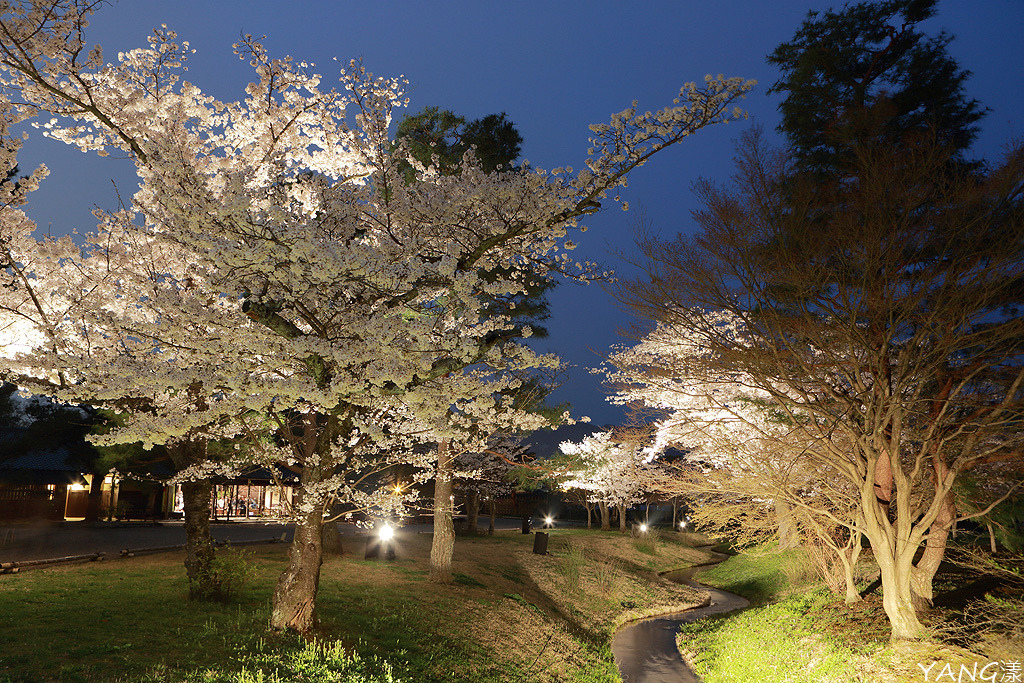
point(867, 75)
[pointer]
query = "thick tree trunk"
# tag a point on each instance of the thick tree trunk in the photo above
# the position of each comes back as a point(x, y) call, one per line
point(606, 522)
point(196, 497)
point(898, 597)
point(472, 509)
point(789, 535)
point(442, 548)
point(199, 549)
point(294, 605)
point(622, 518)
point(894, 555)
point(934, 551)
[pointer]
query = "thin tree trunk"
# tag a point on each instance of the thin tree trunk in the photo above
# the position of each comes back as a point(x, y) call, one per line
point(606, 522)
point(332, 539)
point(493, 509)
point(199, 549)
point(590, 512)
point(443, 546)
point(294, 601)
point(472, 509)
point(991, 537)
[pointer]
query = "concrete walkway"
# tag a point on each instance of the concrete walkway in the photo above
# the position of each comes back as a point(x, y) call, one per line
point(44, 541)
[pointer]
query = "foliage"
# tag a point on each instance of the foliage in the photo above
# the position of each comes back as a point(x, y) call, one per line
point(316, 662)
point(228, 574)
point(612, 470)
point(866, 69)
point(439, 137)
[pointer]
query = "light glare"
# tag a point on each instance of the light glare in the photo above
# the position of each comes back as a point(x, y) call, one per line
point(386, 532)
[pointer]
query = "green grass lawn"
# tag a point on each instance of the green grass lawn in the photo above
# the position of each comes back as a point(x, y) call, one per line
point(508, 616)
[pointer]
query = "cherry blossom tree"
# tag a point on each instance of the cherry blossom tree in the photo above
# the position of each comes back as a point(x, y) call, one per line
point(483, 476)
point(612, 469)
point(324, 289)
point(751, 471)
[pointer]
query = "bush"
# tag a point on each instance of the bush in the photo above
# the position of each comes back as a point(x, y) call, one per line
point(230, 571)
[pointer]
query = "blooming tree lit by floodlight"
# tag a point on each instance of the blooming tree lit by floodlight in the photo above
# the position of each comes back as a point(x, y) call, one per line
point(310, 286)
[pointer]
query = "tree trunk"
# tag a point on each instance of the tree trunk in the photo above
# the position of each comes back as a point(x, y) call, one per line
point(472, 509)
point(196, 497)
point(606, 522)
point(294, 605)
point(898, 597)
point(934, 550)
point(895, 558)
point(590, 512)
point(991, 537)
point(95, 499)
point(493, 509)
point(849, 557)
point(789, 535)
point(444, 529)
point(622, 518)
point(199, 549)
point(331, 539)
point(294, 602)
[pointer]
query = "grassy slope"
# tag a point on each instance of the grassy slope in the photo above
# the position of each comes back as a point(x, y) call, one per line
point(799, 632)
point(510, 615)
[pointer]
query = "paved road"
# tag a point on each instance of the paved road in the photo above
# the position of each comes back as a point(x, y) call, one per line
point(45, 541)
point(49, 540)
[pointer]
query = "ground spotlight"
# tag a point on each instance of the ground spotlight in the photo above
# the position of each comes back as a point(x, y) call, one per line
point(386, 533)
point(549, 521)
point(643, 528)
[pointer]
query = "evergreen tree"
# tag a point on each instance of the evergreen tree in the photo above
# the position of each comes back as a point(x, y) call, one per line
point(866, 70)
point(441, 137)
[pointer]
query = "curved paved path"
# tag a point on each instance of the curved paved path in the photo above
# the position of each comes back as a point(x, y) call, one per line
point(645, 651)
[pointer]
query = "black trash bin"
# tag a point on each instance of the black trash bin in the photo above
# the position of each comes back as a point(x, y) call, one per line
point(540, 543)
